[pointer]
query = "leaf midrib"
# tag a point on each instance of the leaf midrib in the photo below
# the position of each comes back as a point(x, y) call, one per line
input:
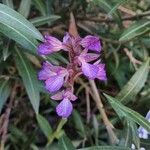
point(28, 74)
point(135, 83)
point(133, 30)
point(20, 34)
point(19, 22)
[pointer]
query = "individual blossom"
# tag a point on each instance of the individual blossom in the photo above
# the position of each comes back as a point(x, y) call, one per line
point(54, 76)
point(50, 45)
point(64, 108)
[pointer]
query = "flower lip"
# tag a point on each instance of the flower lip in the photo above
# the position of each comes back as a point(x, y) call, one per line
point(91, 43)
point(64, 108)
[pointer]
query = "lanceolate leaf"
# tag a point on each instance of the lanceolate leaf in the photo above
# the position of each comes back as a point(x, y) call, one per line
point(23, 39)
point(44, 19)
point(135, 84)
point(122, 110)
point(44, 125)
point(65, 143)
point(106, 148)
point(4, 91)
point(13, 19)
point(135, 29)
point(24, 8)
point(29, 78)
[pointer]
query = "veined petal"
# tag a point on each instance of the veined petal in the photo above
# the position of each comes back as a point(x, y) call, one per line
point(44, 74)
point(44, 49)
point(88, 57)
point(102, 72)
point(64, 109)
point(89, 70)
point(54, 42)
point(50, 45)
point(92, 43)
point(54, 83)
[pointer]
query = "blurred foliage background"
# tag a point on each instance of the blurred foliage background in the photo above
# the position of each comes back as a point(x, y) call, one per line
point(28, 119)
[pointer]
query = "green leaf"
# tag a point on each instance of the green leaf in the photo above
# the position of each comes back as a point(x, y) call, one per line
point(79, 125)
point(135, 29)
point(13, 19)
point(65, 143)
point(44, 125)
point(122, 110)
point(23, 39)
point(40, 6)
point(108, 7)
point(9, 3)
point(106, 148)
point(4, 91)
point(44, 19)
point(29, 78)
point(135, 84)
point(24, 8)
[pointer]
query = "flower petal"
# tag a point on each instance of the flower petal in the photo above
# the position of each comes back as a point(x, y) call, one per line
point(92, 43)
point(102, 72)
point(44, 74)
point(89, 70)
point(54, 83)
point(64, 109)
point(44, 49)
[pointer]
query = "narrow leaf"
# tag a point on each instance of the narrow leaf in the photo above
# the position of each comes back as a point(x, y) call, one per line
point(65, 143)
point(29, 78)
point(44, 19)
point(40, 6)
point(4, 91)
point(24, 8)
point(135, 29)
point(135, 84)
point(122, 110)
point(106, 148)
point(23, 39)
point(9, 3)
point(13, 19)
point(44, 125)
point(79, 125)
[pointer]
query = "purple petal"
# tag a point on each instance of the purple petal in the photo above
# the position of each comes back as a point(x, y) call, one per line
point(88, 57)
point(66, 38)
point(64, 109)
point(102, 72)
point(54, 83)
point(92, 43)
point(50, 45)
point(44, 74)
point(44, 49)
point(89, 70)
point(70, 95)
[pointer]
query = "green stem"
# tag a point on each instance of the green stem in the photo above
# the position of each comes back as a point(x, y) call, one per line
point(57, 132)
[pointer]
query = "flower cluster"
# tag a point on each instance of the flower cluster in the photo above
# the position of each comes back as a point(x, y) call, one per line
point(59, 80)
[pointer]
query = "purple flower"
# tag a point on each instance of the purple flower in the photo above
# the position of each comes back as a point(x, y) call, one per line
point(92, 43)
point(80, 62)
point(53, 76)
point(92, 71)
point(64, 108)
point(50, 45)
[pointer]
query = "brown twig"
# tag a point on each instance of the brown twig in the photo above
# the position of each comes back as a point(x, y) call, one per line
point(112, 137)
point(96, 97)
point(5, 119)
point(135, 17)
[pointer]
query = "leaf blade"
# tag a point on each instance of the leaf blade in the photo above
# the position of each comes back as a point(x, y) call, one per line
point(127, 112)
point(12, 18)
point(29, 79)
point(135, 84)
